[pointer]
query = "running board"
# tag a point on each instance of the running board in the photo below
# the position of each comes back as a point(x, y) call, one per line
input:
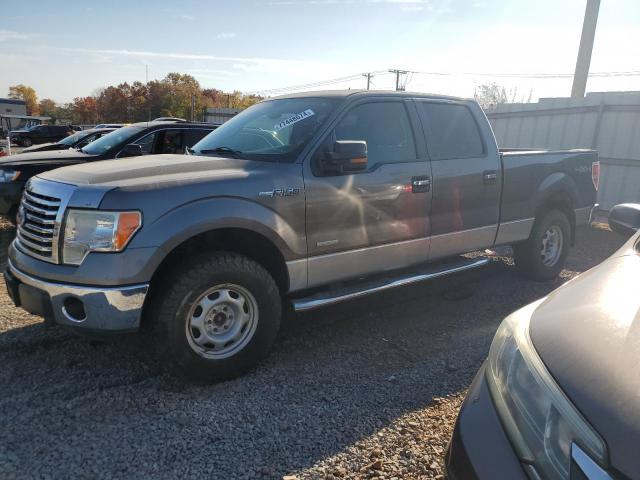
point(350, 292)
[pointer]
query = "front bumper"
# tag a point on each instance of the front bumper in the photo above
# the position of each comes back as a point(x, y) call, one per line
point(479, 447)
point(10, 194)
point(100, 309)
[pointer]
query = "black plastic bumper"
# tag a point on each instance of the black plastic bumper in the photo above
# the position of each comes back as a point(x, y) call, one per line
point(10, 194)
point(479, 448)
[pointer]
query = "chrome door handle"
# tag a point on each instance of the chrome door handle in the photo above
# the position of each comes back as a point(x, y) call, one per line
point(489, 177)
point(420, 184)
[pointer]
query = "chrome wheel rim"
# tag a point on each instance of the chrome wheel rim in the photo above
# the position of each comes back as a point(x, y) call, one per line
point(222, 321)
point(552, 243)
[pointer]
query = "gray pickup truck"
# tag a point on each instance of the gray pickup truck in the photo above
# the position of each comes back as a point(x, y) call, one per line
point(314, 198)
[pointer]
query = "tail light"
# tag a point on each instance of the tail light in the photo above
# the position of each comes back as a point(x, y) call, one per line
point(595, 174)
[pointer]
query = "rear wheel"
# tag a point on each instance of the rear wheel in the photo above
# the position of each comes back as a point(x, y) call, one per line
point(218, 315)
point(543, 255)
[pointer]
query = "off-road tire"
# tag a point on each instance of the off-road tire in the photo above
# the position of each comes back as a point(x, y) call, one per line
point(527, 255)
point(179, 291)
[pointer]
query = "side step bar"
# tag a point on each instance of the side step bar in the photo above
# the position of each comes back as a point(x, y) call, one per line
point(350, 292)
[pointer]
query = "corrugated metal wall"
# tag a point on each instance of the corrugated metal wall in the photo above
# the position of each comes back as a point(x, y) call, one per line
point(608, 122)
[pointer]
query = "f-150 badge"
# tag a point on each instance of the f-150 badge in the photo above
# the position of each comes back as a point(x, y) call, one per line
point(281, 192)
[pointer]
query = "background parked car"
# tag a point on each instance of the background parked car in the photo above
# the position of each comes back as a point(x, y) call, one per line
point(40, 134)
point(558, 396)
point(133, 140)
point(76, 140)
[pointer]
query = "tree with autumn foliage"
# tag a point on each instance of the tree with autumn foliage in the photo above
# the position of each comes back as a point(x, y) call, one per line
point(176, 95)
point(26, 93)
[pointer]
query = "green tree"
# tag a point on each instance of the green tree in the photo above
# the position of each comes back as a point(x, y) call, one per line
point(26, 93)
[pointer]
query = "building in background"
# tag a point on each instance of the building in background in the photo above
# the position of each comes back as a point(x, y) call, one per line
point(9, 106)
point(608, 122)
point(220, 115)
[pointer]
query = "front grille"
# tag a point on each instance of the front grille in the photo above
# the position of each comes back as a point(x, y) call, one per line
point(37, 224)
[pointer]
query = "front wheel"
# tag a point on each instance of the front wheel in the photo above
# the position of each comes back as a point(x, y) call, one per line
point(543, 255)
point(218, 315)
point(26, 142)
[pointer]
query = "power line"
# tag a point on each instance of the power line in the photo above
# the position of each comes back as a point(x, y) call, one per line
point(321, 83)
point(409, 76)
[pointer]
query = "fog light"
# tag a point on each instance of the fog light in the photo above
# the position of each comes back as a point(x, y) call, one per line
point(73, 309)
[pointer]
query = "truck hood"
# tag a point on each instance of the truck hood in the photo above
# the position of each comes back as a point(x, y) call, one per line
point(58, 157)
point(588, 335)
point(151, 170)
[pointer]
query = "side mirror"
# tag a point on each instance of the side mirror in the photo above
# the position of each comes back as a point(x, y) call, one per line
point(347, 156)
point(131, 150)
point(625, 218)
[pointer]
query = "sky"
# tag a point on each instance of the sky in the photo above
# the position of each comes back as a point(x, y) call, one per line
point(73, 48)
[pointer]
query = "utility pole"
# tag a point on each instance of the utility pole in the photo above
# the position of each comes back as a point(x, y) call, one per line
point(368, 75)
point(586, 47)
point(146, 86)
point(398, 73)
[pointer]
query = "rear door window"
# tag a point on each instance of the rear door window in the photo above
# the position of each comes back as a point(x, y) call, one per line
point(451, 131)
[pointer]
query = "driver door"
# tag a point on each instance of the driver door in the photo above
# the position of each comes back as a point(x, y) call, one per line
point(377, 219)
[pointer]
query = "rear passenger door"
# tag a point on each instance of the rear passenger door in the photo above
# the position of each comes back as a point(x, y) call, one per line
point(466, 177)
point(374, 220)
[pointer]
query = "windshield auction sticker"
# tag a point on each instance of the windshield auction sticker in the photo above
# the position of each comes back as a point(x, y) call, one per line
point(287, 122)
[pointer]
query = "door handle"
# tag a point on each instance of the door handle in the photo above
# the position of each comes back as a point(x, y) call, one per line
point(420, 184)
point(489, 177)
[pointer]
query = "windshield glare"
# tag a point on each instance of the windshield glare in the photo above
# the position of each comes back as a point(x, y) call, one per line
point(275, 130)
point(110, 140)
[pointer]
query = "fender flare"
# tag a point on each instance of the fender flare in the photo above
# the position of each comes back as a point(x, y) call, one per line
point(188, 220)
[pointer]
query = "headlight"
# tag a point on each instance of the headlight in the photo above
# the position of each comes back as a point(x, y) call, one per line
point(97, 231)
point(540, 420)
point(9, 175)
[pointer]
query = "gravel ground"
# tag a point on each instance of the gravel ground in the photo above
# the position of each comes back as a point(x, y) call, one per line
point(369, 389)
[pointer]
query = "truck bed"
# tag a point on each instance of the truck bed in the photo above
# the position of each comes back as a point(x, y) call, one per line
point(530, 173)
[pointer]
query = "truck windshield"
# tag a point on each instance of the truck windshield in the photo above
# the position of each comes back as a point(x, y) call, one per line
point(110, 140)
point(274, 130)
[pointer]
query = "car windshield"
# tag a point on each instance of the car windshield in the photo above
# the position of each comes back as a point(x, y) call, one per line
point(71, 140)
point(275, 130)
point(110, 140)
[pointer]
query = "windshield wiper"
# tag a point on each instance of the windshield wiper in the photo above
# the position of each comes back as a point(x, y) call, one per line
point(223, 150)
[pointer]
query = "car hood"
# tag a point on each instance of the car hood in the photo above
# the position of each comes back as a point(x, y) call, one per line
point(50, 156)
point(151, 170)
point(588, 335)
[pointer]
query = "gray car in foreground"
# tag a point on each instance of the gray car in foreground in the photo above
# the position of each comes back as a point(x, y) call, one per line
point(559, 396)
point(315, 198)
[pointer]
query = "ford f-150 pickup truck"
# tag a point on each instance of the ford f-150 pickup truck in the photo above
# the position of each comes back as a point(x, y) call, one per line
point(314, 198)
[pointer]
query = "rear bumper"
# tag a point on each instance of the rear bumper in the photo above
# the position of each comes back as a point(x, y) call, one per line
point(479, 447)
point(10, 194)
point(100, 309)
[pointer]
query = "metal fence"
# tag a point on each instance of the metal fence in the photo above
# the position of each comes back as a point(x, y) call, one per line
point(608, 122)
